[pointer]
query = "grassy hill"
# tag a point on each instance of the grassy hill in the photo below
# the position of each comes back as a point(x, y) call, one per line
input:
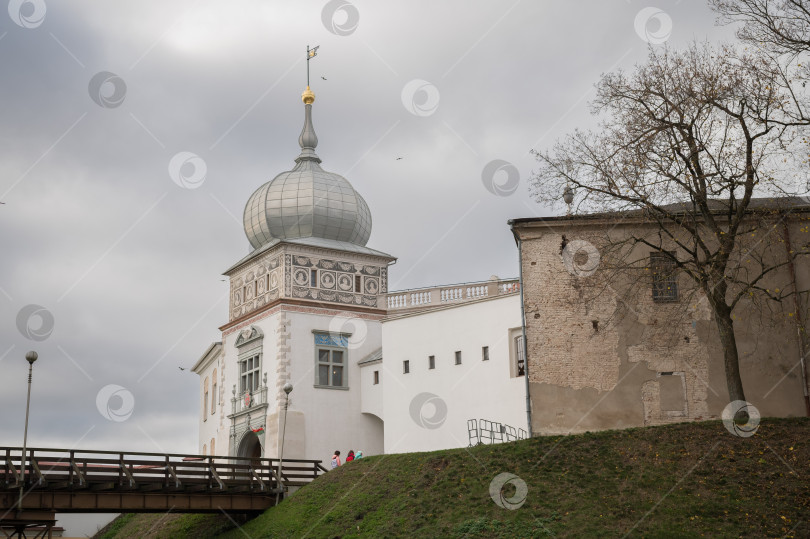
point(689, 479)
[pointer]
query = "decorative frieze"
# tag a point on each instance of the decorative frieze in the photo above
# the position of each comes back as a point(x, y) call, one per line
point(302, 276)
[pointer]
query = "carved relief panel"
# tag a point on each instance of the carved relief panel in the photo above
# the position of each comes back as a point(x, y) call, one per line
point(255, 286)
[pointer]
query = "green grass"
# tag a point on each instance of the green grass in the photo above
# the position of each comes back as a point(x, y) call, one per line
point(685, 480)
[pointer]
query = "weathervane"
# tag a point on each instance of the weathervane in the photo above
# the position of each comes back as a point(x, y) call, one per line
point(311, 53)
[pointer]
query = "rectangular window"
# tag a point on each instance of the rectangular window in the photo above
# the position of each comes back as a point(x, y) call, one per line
point(520, 355)
point(249, 374)
point(485, 353)
point(357, 283)
point(431, 362)
point(330, 368)
point(664, 277)
point(458, 358)
point(376, 377)
point(331, 357)
point(406, 366)
point(214, 397)
point(313, 278)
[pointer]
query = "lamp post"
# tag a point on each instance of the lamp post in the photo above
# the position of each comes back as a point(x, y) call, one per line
point(568, 197)
point(287, 389)
point(30, 357)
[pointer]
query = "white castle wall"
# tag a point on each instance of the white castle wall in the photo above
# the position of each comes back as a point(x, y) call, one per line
point(428, 409)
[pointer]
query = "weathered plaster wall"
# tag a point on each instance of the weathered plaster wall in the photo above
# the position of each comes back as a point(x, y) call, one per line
point(603, 355)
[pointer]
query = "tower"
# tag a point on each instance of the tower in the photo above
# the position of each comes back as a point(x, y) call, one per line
point(305, 306)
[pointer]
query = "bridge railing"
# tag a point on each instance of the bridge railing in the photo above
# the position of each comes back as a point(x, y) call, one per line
point(111, 470)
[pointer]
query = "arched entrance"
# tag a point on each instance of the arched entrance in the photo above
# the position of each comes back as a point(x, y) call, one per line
point(250, 446)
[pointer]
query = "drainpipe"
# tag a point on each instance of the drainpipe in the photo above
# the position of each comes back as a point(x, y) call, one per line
point(799, 318)
point(523, 322)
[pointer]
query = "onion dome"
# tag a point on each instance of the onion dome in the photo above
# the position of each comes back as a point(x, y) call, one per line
point(307, 201)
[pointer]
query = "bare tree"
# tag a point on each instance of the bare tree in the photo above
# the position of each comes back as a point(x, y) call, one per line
point(686, 143)
point(781, 26)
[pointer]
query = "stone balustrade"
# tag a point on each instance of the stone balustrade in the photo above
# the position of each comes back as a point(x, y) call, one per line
point(442, 295)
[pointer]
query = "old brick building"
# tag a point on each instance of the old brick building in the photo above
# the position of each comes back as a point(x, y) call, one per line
point(613, 346)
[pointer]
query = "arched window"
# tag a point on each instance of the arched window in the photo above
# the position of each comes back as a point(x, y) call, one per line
point(205, 398)
point(212, 447)
point(204, 449)
point(214, 394)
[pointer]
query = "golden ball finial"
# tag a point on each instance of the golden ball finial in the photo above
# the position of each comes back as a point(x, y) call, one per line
point(308, 97)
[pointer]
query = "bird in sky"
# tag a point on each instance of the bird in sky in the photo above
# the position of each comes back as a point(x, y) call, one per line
point(398, 158)
point(181, 368)
point(324, 78)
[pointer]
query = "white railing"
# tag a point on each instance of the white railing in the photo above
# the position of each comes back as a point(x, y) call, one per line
point(509, 288)
point(420, 298)
point(451, 294)
point(459, 293)
point(395, 302)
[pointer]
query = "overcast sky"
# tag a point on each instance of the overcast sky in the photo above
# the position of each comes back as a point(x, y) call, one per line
point(113, 249)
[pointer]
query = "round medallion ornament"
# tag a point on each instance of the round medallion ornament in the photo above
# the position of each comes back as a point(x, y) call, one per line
point(371, 286)
point(345, 282)
point(327, 279)
point(301, 277)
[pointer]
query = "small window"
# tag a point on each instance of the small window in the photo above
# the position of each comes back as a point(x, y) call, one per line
point(485, 353)
point(212, 447)
point(664, 277)
point(313, 278)
point(431, 362)
point(205, 449)
point(357, 283)
point(406, 366)
point(520, 355)
point(458, 358)
point(376, 377)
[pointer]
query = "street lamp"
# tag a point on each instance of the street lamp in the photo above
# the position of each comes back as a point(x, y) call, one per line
point(568, 197)
point(30, 357)
point(287, 389)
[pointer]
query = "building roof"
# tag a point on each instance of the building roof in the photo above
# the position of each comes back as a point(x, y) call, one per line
point(377, 355)
point(307, 201)
point(210, 353)
point(717, 206)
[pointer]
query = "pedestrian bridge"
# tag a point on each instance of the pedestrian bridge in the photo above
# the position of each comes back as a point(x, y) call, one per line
point(83, 481)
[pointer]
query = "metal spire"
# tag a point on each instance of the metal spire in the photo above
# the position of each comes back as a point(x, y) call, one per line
point(311, 53)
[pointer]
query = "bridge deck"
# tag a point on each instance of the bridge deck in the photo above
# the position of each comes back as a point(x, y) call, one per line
point(64, 480)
